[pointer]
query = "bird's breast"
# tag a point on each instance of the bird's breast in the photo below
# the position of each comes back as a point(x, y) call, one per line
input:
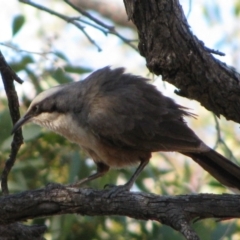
point(65, 125)
point(112, 156)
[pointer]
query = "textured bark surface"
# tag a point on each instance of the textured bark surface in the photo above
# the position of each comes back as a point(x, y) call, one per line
point(174, 211)
point(18, 231)
point(171, 50)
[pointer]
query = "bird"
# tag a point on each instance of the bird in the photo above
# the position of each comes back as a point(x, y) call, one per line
point(120, 119)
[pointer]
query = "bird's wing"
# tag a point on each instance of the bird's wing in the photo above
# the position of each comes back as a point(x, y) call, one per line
point(140, 117)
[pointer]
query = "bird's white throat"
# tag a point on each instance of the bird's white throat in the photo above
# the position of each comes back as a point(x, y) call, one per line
point(64, 125)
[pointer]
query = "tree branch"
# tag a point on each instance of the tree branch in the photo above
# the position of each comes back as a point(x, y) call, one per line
point(109, 9)
point(177, 211)
point(75, 21)
point(170, 49)
point(8, 77)
point(21, 232)
point(110, 29)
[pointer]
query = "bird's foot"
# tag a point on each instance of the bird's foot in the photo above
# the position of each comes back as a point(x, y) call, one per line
point(77, 184)
point(53, 185)
point(115, 190)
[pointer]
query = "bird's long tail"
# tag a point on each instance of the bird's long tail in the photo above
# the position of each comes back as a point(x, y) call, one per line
point(225, 171)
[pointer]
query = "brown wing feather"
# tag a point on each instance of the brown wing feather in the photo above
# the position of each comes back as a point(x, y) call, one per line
point(126, 111)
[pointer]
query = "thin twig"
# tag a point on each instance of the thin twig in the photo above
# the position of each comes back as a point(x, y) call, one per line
point(220, 140)
point(65, 18)
point(110, 29)
point(106, 29)
point(190, 8)
point(90, 24)
point(5, 69)
point(214, 51)
point(9, 45)
point(86, 14)
point(8, 77)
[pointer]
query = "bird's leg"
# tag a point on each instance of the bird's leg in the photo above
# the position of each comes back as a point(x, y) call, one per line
point(102, 169)
point(114, 190)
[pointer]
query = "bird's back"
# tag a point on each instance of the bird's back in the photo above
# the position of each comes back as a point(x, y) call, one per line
point(124, 110)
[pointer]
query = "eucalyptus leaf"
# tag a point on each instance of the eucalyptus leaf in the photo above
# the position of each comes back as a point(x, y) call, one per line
point(17, 24)
point(76, 69)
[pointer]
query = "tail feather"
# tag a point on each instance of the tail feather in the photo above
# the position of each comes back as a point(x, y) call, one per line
point(225, 171)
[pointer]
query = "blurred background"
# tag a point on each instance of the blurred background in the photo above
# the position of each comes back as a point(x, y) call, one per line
point(46, 51)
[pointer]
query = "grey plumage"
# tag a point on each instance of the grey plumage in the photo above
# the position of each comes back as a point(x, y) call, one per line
point(119, 119)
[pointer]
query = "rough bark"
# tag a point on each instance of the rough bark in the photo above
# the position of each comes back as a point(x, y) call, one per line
point(171, 50)
point(176, 211)
point(19, 231)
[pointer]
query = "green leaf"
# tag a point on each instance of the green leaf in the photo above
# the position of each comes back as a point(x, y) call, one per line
point(21, 65)
point(60, 76)
point(76, 69)
point(34, 78)
point(17, 24)
point(61, 55)
point(237, 8)
point(27, 59)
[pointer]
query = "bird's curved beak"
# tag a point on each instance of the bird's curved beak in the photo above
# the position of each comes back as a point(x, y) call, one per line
point(20, 123)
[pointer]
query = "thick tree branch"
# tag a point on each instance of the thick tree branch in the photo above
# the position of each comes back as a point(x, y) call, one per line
point(177, 211)
point(21, 232)
point(170, 49)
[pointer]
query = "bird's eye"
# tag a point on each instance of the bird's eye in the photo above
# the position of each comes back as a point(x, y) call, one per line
point(35, 108)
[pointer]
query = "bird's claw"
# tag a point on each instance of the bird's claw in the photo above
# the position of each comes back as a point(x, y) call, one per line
point(109, 186)
point(115, 190)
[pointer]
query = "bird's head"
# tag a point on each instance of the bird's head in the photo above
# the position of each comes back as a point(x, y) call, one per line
point(41, 110)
